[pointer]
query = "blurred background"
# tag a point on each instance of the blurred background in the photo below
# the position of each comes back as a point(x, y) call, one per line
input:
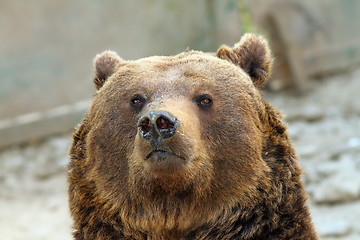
point(46, 52)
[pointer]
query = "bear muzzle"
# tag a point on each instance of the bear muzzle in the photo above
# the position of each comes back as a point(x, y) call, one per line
point(158, 128)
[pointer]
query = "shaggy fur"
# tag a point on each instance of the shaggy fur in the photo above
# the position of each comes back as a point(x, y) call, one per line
point(230, 171)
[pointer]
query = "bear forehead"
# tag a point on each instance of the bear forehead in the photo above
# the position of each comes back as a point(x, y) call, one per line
point(200, 67)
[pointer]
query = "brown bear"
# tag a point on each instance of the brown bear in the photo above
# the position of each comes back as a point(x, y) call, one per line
point(185, 147)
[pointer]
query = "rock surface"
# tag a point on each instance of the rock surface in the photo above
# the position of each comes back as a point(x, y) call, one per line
point(324, 126)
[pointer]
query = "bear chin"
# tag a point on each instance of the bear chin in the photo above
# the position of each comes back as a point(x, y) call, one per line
point(163, 162)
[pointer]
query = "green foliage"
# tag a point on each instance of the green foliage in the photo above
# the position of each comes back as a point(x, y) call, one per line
point(245, 15)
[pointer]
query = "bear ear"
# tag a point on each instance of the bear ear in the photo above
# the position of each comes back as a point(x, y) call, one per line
point(105, 65)
point(253, 55)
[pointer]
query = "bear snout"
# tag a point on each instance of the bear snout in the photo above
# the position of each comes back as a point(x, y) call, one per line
point(155, 126)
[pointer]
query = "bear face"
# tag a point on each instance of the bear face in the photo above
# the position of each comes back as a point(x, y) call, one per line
point(214, 151)
point(171, 144)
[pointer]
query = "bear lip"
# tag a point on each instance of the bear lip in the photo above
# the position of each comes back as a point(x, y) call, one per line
point(154, 151)
point(162, 152)
point(165, 163)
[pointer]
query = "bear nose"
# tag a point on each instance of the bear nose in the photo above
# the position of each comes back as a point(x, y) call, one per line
point(157, 125)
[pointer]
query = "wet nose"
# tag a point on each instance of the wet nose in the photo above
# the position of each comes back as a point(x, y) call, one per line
point(157, 125)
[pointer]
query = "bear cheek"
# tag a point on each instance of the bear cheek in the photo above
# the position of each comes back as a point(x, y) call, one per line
point(107, 147)
point(236, 146)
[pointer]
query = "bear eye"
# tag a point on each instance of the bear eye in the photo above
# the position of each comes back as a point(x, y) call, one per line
point(203, 100)
point(137, 101)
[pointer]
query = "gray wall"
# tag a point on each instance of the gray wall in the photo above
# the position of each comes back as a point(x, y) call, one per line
point(47, 47)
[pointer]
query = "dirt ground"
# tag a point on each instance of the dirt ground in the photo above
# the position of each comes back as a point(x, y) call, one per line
point(324, 126)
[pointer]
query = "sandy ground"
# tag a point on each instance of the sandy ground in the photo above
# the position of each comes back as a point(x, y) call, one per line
point(33, 200)
point(324, 126)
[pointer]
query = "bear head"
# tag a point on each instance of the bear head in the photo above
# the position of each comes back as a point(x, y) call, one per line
point(168, 137)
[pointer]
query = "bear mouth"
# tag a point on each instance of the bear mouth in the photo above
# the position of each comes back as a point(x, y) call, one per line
point(162, 161)
point(157, 151)
point(162, 154)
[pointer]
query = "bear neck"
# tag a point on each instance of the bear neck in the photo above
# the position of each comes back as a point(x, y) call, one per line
point(171, 218)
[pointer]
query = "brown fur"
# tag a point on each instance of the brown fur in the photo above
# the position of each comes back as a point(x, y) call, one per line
point(233, 173)
point(252, 54)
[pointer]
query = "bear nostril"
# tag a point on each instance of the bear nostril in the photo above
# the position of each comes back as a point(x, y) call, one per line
point(157, 125)
point(164, 123)
point(145, 125)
